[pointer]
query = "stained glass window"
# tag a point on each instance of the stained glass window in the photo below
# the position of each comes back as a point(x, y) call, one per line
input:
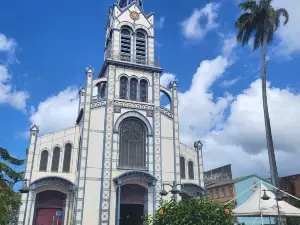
point(132, 152)
point(191, 170)
point(182, 167)
point(133, 89)
point(44, 160)
point(55, 159)
point(123, 87)
point(67, 158)
point(143, 91)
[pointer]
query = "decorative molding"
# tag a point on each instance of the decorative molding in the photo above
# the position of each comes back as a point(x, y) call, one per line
point(193, 189)
point(133, 105)
point(149, 113)
point(51, 181)
point(117, 109)
point(98, 104)
point(135, 175)
point(166, 112)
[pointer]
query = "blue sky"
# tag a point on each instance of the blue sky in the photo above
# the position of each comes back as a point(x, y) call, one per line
point(46, 45)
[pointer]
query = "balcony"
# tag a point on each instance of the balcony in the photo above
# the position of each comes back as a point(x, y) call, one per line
point(137, 59)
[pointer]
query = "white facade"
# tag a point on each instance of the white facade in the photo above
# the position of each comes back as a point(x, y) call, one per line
point(99, 169)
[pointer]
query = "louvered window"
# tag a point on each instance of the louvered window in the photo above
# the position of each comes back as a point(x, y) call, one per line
point(44, 160)
point(125, 54)
point(140, 48)
point(123, 87)
point(143, 90)
point(55, 159)
point(182, 167)
point(67, 158)
point(132, 152)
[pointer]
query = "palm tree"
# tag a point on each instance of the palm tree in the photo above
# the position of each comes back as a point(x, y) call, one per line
point(260, 21)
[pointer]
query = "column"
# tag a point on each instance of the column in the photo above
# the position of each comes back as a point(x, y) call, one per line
point(176, 143)
point(84, 147)
point(24, 208)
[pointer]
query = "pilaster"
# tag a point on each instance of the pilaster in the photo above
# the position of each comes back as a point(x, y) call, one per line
point(176, 142)
point(84, 147)
point(157, 167)
point(106, 181)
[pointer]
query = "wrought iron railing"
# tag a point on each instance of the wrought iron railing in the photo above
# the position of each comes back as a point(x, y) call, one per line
point(138, 59)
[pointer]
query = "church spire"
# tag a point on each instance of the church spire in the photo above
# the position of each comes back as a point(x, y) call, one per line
point(124, 3)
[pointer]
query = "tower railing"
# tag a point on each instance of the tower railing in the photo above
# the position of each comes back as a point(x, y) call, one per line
point(122, 56)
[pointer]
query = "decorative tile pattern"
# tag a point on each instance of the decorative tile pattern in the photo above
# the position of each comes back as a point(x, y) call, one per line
point(136, 175)
point(107, 151)
point(132, 105)
point(98, 104)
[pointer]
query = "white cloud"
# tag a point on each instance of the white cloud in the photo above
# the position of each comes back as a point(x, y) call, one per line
point(6, 44)
point(160, 23)
point(193, 27)
point(289, 34)
point(57, 112)
point(228, 83)
point(8, 95)
point(166, 78)
point(232, 128)
point(228, 45)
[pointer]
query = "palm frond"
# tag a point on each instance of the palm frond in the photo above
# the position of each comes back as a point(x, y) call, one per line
point(243, 20)
point(283, 12)
point(248, 5)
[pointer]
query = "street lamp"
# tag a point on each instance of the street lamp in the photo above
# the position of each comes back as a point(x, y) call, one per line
point(174, 191)
point(24, 189)
point(279, 196)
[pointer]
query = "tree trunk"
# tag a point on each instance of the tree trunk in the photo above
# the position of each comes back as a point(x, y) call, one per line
point(270, 146)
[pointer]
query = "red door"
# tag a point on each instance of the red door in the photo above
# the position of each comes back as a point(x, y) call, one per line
point(48, 217)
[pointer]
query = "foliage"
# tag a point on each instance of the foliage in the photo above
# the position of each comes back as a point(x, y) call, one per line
point(6, 171)
point(294, 220)
point(193, 211)
point(260, 20)
point(9, 200)
point(9, 204)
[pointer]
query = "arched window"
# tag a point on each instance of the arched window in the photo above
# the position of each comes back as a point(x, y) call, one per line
point(55, 159)
point(191, 170)
point(67, 158)
point(132, 152)
point(141, 3)
point(123, 87)
point(44, 160)
point(140, 47)
point(126, 36)
point(133, 89)
point(102, 90)
point(182, 167)
point(143, 90)
point(123, 3)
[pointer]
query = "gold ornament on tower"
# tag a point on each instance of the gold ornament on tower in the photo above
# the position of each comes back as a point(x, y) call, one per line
point(134, 15)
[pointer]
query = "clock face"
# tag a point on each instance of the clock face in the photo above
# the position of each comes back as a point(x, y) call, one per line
point(134, 15)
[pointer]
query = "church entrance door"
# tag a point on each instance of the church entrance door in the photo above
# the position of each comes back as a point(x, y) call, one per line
point(133, 205)
point(49, 208)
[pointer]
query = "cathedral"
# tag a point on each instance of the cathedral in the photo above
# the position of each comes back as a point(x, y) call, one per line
point(123, 154)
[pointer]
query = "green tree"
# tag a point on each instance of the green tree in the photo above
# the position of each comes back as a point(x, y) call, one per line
point(194, 211)
point(9, 200)
point(260, 21)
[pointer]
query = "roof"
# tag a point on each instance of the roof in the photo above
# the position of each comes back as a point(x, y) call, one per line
point(233, 181)
point(255, 206)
